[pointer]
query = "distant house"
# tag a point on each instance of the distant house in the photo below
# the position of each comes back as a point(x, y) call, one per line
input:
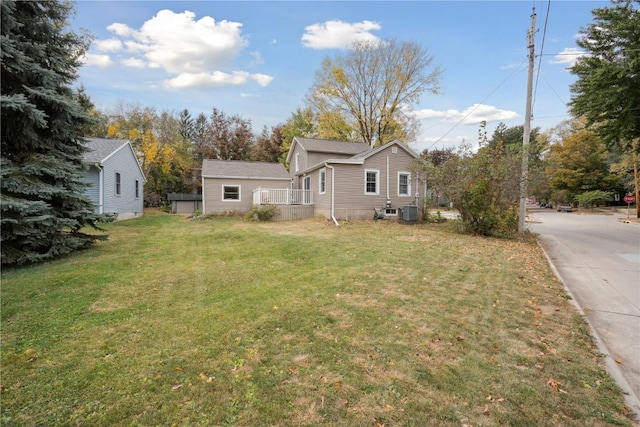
point(336, 179)
point(115, 178)
point(350, 179)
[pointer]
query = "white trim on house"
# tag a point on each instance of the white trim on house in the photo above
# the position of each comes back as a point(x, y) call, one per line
point(239, 187)
point(408, 175)
point(377, 175)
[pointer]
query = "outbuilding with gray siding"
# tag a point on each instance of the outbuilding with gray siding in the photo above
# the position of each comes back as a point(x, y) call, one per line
point(228, 185)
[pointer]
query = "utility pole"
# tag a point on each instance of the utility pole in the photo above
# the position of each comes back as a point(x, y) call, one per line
point(527, 125)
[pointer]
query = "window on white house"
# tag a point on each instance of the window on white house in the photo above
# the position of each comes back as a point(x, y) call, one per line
point(297, 162)
point(231, 193)
point(404, 184)
point(118, 185)
point(371, 182)
point(323, 181)
point(137, 189)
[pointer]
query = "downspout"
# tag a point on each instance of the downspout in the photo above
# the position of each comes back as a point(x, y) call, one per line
point(100, 188)
point(333, 192)
point(203, 196)
point(388, 199)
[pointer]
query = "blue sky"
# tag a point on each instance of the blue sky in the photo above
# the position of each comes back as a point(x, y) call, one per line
point(259, 59)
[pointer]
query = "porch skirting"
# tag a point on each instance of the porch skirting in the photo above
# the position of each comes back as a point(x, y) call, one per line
point(293, 212)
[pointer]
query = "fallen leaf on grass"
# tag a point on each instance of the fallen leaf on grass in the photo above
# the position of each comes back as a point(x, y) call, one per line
point(555, 385)
point(486, 410)
point(176, 386)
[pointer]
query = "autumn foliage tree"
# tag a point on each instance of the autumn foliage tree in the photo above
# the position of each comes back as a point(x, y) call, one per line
point(579, 163)
point(366, 93)
point(607, 91)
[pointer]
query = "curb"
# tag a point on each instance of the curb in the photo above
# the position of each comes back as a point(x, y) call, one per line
point(631, 400)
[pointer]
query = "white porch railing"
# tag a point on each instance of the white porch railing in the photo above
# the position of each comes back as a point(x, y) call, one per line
point(282, 196)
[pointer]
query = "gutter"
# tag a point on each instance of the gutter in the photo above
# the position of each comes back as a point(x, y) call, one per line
point(333, 192)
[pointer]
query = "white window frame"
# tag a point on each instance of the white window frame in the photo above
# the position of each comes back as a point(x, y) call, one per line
point(377, 174)
point(239, 187)
point(118, 184)
point(297, 162)
point(322, 181)
point(408, 175)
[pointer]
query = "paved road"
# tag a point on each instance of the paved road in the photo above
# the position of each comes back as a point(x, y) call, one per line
point(598, 259)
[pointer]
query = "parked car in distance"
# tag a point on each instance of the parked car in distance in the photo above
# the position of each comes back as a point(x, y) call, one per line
point(565, 208)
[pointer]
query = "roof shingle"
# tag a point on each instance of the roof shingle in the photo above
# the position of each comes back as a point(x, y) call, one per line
point(243, 169)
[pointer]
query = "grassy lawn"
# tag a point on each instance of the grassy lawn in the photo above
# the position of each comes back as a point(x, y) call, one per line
point(230, 323)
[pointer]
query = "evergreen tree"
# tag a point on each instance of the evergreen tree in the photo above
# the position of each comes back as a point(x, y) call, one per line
point(42, 202)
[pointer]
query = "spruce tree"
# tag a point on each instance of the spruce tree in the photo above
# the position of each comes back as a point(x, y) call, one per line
point(43, 204)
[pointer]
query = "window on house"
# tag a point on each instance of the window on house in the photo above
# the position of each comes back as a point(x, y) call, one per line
point(404, 184)
point(323, 181)
point(118, 185)
point(297, 162)
point(231, 192)
point(371, 184)
point(137, 189)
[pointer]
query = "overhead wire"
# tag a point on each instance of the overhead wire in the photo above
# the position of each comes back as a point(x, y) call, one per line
point(544, 34)
point(518, 68)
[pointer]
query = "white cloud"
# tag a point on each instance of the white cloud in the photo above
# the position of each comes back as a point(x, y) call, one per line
point(134, 62)
point(96, 60)
point(108, 45)
point(472, 115)
point(196, 52)
point(215, 79)
point(569, 56)
point(122, 30)
point(338, 34)
point(257, 59)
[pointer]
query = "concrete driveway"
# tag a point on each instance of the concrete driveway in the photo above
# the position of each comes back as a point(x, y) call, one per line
point(598, 259)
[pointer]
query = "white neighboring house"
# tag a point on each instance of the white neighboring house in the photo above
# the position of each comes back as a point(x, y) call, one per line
point(115, 178)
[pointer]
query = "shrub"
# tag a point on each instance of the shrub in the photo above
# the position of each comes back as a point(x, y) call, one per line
point(262, 213)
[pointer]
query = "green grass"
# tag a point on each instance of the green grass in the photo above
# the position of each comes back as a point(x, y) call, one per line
point(231, 323)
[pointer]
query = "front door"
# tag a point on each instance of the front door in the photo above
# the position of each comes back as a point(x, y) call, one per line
point(306, 186)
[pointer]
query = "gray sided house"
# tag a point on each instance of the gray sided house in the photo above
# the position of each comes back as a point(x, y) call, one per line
point(115, 178)
point(233, 185)
point(349, 180)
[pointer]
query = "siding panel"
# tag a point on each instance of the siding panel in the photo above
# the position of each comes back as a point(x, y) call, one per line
point(212, 193)
point(92, 177)
point(124, 162)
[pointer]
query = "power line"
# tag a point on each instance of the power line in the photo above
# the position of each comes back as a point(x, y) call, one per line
point(518, 68)
point(544, 34)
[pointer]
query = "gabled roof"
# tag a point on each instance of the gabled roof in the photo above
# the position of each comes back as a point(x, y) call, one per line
point(243, 169)
point(364, 155)
point(326, 146)
point(359, 158)
point(99, 150)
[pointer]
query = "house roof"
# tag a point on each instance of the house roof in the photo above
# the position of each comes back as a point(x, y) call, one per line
point(373, 151)
point(327, 146)
point(100, 149)
point(359, 158)
point(243, 169)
